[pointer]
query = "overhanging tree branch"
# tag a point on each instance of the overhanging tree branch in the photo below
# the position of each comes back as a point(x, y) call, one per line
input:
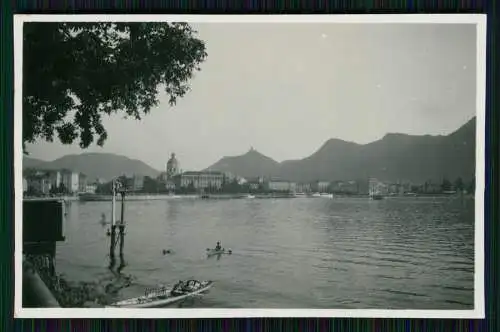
point(101, 68)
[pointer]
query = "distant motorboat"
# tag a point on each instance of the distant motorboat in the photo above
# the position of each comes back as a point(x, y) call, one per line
point(250, 196)
point(376, 197)
point(375, 194)
point(316, 195)
point(326, 195)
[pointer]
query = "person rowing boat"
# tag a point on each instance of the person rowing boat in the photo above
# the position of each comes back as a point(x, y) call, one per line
point(191, 286)
point(179, 288)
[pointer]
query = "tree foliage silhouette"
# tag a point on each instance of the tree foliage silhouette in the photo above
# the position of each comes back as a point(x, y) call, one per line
point(74, 73)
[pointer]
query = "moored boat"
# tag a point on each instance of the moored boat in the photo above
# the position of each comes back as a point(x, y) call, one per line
point(95, 198)
point(376, 189)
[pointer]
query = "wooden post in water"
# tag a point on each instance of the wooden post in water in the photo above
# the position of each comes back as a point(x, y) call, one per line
point(113, 202)
point(122, 222)
point(112, 242)
point(113, 221)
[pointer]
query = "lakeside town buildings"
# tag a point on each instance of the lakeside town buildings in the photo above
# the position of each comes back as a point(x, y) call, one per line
point(45, 182)
point(173, 179)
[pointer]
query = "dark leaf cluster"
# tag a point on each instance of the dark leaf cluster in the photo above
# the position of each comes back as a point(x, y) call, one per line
point(76, 73)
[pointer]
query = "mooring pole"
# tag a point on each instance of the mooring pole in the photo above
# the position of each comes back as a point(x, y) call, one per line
point(113, 221)
point(122, 264)
point(113, 203)
point(112, 243)
point(122, 222)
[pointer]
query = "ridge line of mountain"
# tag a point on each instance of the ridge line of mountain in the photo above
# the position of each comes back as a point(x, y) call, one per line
point(334, 158)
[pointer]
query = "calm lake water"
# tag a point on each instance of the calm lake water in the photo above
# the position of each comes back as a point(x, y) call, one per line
point(399, 253)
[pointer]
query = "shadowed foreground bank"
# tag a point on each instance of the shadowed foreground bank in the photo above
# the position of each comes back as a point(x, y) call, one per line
point(36, 294)
point(43, 290)
point(42, 286)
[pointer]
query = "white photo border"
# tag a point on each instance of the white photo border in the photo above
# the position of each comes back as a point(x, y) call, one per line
point(479, 293)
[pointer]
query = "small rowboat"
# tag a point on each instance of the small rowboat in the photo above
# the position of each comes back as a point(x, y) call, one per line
point(212, 252)
point(163, 296)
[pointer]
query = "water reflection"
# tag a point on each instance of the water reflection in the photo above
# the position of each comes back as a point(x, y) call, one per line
point(172, 209)
point(304, 252)
point(117, 281)
point(112, 264)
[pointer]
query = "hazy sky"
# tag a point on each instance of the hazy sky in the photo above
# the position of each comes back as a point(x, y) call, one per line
point(287, 88)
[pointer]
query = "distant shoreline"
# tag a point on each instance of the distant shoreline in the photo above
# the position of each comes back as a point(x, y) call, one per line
point(149, 197)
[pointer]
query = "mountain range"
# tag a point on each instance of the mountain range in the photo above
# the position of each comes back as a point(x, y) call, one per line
point(94, 165)
point(394, 157)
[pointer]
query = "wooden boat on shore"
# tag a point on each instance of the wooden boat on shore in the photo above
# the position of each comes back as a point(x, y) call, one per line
point(165, 296)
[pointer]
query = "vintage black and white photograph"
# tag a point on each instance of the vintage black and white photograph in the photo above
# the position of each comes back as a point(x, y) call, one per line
point(239, 166)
